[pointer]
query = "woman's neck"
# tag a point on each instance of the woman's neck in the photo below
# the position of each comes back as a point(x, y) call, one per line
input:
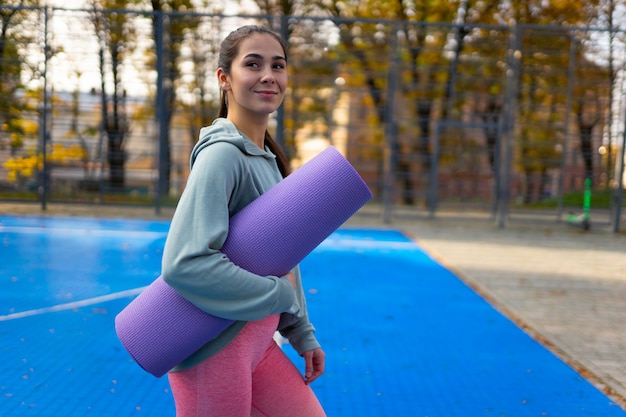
point(253, 127)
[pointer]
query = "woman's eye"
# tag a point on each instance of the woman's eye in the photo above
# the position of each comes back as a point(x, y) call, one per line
point(252, 64)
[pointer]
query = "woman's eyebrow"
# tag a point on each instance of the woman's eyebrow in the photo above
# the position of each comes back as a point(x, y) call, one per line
point(258, 56)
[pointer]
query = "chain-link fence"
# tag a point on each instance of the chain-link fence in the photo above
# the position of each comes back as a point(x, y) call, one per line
point(101, 106)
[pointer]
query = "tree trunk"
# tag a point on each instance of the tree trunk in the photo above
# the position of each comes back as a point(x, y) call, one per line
point(491, 119)
point(586, 148)
point(116, 159)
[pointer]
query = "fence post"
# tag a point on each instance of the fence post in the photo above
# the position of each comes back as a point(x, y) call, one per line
point(512, 73)
point(497, 152)
point(433, 183)
point(44, 113)
point(390, 154)
point(280, 112)
point(160, 123)
point(619, 192)
point(587, 203)
point(568, 107)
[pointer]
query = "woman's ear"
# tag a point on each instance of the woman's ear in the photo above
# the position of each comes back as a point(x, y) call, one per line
point(222, 79)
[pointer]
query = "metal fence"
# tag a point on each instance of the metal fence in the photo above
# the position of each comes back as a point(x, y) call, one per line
point(104, 106)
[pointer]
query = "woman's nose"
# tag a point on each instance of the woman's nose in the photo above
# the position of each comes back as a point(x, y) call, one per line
point(268, 77)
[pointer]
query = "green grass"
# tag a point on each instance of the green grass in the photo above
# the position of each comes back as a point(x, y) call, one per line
point(599, 199)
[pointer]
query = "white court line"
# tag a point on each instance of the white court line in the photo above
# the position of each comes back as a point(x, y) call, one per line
point(330, 241)
point(89, 232)
point(372, 244)
point(72, 305)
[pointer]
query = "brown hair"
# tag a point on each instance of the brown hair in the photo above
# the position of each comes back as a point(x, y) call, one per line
point(228, 51)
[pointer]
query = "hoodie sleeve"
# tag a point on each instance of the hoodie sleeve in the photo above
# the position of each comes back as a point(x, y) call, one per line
point(296, 327)
point(192, 261)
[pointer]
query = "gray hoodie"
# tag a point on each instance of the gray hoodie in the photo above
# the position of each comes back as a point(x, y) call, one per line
point(228, 171)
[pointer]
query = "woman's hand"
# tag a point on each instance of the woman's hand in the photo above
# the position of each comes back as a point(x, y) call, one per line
point(313, 364)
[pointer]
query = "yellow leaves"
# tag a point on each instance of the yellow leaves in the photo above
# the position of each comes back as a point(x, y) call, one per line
point(16, 140)
point(30, 128)
point(26, 166)
point(76, 152)
point(23, 167)
point(61, 155)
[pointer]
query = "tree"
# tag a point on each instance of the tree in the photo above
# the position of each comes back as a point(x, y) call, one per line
point(172, 22)
point(609, 13)
point(543, 82)
point(365, 50)
point(592, 95)
point(114, 28)
point(199, 105)
point(453, 60)
point(14, 38)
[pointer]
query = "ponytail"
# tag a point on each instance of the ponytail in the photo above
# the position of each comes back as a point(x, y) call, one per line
point(281, 158)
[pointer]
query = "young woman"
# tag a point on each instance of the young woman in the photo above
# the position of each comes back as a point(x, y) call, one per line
point(242, 372)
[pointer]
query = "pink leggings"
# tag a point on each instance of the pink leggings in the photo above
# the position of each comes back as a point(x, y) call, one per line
point(251, 376)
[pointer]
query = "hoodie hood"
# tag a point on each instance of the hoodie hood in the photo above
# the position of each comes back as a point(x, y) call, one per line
point(223, 130)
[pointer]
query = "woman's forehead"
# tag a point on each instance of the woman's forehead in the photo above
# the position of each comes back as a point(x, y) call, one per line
point(261, 44)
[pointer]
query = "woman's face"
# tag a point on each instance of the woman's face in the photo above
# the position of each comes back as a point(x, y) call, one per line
point(258, 76)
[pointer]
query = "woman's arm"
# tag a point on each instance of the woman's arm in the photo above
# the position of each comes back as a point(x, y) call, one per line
point(192, 261)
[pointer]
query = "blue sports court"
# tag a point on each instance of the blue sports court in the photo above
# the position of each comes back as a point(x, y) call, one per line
point(403, 335)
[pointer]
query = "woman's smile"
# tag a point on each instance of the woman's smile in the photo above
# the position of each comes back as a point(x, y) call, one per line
point(267, 93)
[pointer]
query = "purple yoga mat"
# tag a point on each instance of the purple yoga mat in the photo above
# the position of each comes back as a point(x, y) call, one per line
point(160, 328)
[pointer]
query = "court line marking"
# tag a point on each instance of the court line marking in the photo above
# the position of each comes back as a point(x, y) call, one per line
point(74, 304)
point(329, 242)
point(82, 232)
point(360, 243)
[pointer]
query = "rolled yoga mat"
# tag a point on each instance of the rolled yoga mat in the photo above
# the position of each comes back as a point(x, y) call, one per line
point(160, 328)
